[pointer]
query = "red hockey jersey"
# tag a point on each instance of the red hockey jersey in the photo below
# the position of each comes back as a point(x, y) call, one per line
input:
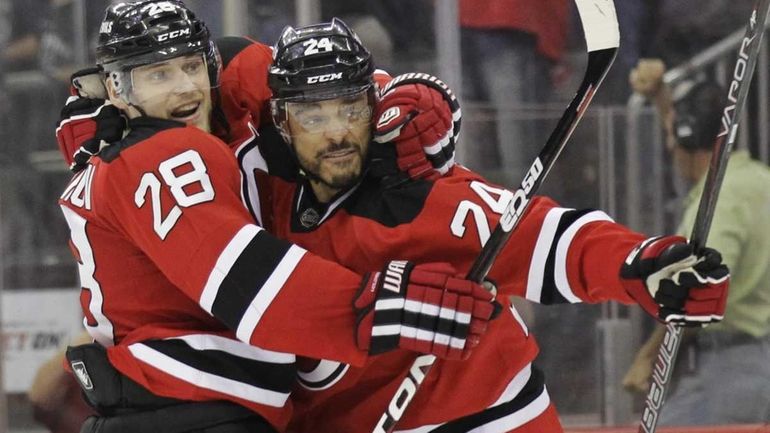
point(177, 278)
point(556, 255)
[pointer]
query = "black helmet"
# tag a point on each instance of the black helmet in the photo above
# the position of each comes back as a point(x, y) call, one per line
point(317, 62)
point(140, 33)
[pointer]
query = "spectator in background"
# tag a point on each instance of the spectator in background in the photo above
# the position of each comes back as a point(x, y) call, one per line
point(62, 49)
point(5, 36)
point(406, 24)
point(729, 382)
point(267, 18)
point(634, 21)
point(44, 48)
point(508, 50)
point(679, 33)
point(23, 116)
point(21, 51)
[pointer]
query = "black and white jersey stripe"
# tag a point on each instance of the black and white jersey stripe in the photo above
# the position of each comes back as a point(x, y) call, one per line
point(250, 159)
point(323, 376)
point(547, 279)
point(223, 365)
point(523, 400)
point(247, 277)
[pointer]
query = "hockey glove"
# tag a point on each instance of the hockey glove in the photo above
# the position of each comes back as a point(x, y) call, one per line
point(420, 115)
point(423, 308)
point(87, 121)
point(674, 284)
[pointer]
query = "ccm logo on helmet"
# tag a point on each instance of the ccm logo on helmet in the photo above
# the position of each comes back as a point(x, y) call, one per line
point(324, 78)
point(173, 35)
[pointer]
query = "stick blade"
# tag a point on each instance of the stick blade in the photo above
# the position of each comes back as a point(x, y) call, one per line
point(600, 24)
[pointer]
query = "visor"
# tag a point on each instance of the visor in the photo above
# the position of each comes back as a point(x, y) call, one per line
point(327, 93)
point(161, 79)
point(340, 110)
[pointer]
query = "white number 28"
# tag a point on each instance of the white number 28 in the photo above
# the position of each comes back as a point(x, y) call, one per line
point(195, 173)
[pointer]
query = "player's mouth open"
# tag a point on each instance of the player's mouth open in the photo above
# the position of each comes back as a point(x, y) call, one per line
point(186, 112)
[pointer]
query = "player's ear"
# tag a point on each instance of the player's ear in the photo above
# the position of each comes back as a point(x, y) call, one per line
point(112, 94)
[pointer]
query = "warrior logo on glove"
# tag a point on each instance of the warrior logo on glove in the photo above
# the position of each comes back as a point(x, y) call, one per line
point(422, 308)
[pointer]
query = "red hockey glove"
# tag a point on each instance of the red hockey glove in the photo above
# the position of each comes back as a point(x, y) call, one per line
point(419, 114)
point(424, 308)
point(674, 284)
point(87, 121)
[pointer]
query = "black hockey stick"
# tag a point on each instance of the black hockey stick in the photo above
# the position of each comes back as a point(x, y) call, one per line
point(736, 98)
point(600, 26)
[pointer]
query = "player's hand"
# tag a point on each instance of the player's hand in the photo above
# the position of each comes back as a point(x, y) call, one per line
point(424, 308)
point(647, 77)
point(420, 116)
point(87, 121)
point(674, 284)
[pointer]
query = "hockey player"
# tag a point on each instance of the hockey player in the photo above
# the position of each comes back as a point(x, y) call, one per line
point(344, 211)
point(193, 301)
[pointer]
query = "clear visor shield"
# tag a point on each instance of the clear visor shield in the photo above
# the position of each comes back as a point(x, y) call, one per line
point(168, 80)
point(343, 113)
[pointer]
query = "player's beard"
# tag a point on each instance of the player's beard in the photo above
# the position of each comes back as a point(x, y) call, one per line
point(339, 176)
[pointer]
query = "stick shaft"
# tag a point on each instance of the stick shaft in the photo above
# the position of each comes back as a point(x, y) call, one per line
point(723, 144)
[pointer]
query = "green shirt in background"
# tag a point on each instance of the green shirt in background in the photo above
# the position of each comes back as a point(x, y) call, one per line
point(741, 232)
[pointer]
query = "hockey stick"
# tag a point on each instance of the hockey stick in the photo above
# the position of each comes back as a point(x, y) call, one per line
point(600, 26)
point(736, 98)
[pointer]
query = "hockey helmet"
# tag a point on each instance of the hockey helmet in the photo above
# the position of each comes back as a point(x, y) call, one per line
point(318, 62)
point(697, 111)
point(134, 34)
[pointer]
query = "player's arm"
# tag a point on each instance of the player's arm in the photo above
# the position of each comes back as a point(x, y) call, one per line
point(550, 255)
point(560, 255)
point(584, 256)
point(87, 121)
point(243, 84)
point(184, 210)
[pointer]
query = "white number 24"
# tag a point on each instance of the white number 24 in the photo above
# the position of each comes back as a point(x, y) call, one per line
point(314, 46)
point(176, 184)
point(496, 198)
